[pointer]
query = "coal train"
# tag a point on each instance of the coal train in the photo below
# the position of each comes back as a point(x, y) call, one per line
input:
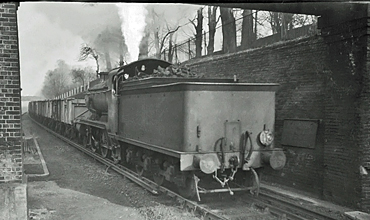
point(201, 135)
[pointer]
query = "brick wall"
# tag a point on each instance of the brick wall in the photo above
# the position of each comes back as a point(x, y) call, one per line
point(320, 78)
point(10, 98)
point(346, 65)
point(364, 127)
point(297, 67)
point(364, 135)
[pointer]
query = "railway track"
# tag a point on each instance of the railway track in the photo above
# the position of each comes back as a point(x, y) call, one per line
point(239, 206)
point(280, 206)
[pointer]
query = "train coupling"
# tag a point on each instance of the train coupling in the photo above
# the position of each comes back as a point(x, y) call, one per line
point(200, 190)
point(225, 179)
point(254, 189)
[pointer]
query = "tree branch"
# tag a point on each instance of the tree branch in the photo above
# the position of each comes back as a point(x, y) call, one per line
point(165, 36)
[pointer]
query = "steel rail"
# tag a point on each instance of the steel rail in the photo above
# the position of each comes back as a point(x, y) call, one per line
point(277, 211)
point(121, 170)
point(147, 184)
point(295, 211)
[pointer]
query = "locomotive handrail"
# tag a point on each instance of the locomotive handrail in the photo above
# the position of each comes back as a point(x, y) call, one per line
point(94, 123)
point(215, 83)
point(220, 83)
point(170, 152)
point(98, 91)
point(79, 115)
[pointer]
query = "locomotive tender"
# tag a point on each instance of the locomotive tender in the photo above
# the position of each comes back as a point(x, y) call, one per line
point(186, 130)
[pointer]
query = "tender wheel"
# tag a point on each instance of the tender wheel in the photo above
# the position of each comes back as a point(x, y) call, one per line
point(80, 138)
point(156, 169)
point(129, 155)
point(67, 132)
point(116, 154)
point(62, 129)
point(95, 146)
point(139, 170)
point(158, 179)
point(73, 134)
point(189, 190)
point(104, 150)
point(85, 139)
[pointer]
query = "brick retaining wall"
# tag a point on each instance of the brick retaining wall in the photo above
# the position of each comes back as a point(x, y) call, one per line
point(10, 96)
point(321, 78)
point(297, 66)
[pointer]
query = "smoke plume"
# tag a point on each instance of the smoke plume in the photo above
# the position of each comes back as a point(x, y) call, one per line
point(132, 16)
point(51, 31)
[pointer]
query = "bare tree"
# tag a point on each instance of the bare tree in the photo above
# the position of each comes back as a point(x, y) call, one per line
point(249, 33)
point(281, 23)
point(169, 33)
point(87, 51)
point(228, 30)
point(164, 30)
point(212, 23)
point(154, 21)
point(198, 32)
point(170, 48)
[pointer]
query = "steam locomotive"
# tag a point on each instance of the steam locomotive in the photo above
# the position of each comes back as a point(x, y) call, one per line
point(202, 135)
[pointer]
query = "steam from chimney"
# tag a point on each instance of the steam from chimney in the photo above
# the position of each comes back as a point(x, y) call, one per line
point(133, 23)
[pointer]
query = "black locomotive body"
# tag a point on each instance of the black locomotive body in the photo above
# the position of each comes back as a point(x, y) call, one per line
point(179, 129)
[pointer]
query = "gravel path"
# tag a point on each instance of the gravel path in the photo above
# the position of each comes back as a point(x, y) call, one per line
point(79, 187)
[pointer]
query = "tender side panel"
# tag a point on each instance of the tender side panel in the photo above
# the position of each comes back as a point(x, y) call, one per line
point(156, 117)
point(190, 117)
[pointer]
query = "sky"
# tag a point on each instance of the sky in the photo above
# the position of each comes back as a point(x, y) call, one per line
point(52, 31)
